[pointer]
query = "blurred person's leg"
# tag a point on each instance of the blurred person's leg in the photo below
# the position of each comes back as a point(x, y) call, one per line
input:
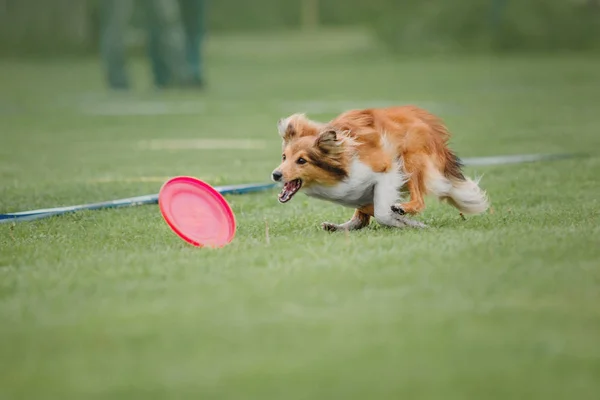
point(114, 19)
point(192, 14)
point(498, 8)
point(166, 45)
point(158, 64)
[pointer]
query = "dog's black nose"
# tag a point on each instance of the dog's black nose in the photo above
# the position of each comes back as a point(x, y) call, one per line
point(277, 176)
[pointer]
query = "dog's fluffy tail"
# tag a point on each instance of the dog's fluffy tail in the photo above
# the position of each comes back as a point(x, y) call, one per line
point(460, 191)
point(467, 196)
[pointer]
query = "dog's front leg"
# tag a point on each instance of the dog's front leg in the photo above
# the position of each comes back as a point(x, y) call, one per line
point(359, 220)
point(385, 197)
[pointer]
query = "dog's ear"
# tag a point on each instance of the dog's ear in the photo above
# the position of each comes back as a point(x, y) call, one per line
point(285, 127)
point(282, 126)
point(328, 142)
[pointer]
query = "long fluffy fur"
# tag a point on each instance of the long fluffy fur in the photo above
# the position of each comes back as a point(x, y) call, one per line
point(383, 139)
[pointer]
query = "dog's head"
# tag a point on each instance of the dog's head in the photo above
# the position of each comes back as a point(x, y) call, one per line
point(312, 154)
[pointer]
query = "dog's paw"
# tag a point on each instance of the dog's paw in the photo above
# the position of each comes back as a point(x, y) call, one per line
point(399, 221)
point(397, 209)
point(329, 227)
point(411, 223)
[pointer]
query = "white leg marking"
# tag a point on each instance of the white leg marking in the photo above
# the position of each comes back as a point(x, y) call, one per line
point(385, 196)
point(351, 225)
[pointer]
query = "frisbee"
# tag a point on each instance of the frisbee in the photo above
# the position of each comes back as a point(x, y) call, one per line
point(196, 212)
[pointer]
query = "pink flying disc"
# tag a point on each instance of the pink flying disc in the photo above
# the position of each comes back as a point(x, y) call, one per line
point(197, 212)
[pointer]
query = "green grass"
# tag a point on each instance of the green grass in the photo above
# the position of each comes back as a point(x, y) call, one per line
point(111, 304)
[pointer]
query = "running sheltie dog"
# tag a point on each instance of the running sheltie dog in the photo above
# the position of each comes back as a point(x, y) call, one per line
point(364, 158)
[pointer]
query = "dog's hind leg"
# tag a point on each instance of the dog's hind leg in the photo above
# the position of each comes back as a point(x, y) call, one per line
point(359, 220)
point(414, 167)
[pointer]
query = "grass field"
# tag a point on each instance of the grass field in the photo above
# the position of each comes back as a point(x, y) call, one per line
point(111, 304)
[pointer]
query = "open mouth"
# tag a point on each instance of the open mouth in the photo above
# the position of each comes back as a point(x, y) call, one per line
point(289, 190)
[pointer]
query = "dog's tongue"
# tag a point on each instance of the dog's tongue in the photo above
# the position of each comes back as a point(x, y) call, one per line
point(284, 195)
point(289, 188)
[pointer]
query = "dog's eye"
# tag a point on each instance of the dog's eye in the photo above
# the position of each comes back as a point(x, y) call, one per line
point(301, 161)
point(283, 157)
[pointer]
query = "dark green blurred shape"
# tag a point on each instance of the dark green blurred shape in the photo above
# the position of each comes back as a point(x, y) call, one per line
point(406, 26)
point(173, 31)
point(496, 25)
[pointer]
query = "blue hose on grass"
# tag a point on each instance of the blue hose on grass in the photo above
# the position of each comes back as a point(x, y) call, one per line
point(127, 202)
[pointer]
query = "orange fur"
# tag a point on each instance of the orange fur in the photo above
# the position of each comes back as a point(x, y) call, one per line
point(378, 138)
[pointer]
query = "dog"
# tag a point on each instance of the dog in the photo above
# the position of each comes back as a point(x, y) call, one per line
point(364, 158)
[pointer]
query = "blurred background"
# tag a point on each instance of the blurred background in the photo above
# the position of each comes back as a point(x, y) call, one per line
point(72, 27)
point(82, 81)
point(466, 60)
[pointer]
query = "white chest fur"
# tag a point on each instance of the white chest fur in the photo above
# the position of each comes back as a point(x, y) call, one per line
point(358, 189)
